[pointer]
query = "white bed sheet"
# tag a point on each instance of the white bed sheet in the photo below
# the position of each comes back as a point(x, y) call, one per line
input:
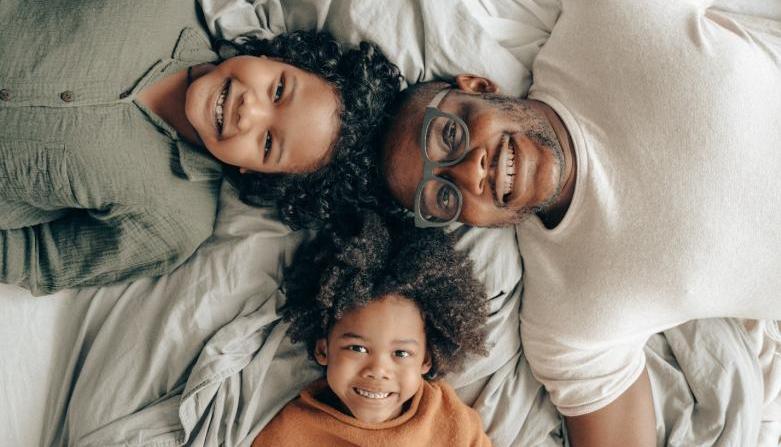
point(187, 357)
point(67, 356)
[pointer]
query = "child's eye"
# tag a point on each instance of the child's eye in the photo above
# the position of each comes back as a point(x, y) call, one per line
point(267, 144)
point(357, 348)
point(279, 90)
point(401, 354)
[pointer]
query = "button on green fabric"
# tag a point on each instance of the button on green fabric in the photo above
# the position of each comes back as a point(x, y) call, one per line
point(67, 96)
point(94, 189)
point(5, 95)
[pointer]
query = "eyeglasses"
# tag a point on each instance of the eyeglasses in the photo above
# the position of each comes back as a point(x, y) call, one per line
point(444, 141)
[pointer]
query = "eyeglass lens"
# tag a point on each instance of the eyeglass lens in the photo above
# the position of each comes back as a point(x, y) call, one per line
point(445, 142)
point(439, 201)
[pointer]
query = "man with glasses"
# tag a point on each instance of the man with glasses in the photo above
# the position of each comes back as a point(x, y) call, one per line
point(514, 128)
point(641, 174)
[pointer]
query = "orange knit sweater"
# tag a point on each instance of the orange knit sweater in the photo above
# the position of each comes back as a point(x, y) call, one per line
point(436, 417)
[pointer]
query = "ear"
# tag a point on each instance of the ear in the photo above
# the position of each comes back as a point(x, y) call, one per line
point(243, 171)
point(426, 366)
point(476, 84)
point(321, 352)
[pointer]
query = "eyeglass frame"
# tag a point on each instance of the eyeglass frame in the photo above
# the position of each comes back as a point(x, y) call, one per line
point(431, 113)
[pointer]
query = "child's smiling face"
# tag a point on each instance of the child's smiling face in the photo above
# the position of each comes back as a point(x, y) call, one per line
point(376, 356)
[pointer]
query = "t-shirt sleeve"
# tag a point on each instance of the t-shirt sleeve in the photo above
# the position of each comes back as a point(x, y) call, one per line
point(582, 378)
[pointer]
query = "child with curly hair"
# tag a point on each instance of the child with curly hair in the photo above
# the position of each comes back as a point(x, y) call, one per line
point(385, 310)
point(119, 124)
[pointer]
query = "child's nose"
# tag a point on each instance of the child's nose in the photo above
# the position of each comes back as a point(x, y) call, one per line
point(253, 112)
point(377, 369)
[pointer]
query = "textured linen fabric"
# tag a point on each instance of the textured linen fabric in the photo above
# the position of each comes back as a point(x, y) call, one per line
point(94, 187)
point(435, 417)
point(675, 113)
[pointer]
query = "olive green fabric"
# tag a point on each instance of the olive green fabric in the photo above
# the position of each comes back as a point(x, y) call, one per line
point(95, 188)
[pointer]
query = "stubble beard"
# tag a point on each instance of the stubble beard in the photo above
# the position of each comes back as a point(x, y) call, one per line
point(540, 131)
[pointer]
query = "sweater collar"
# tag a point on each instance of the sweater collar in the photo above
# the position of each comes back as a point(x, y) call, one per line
point(308, 396)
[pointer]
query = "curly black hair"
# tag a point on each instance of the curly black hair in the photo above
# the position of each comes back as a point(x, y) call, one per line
point(366, 82)
point(341, 270)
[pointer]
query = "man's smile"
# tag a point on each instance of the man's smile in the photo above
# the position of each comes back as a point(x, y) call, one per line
point(506, 170)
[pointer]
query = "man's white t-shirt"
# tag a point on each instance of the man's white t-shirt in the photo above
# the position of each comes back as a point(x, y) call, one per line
point(674, 109)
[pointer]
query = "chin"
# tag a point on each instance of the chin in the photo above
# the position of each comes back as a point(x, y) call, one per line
point(215, 152)
point(190, 111)
point(373, 415)
point(373, 419)
point(513, 217)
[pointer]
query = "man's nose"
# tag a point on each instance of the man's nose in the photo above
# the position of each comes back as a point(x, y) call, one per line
point(471, 173)
point(253, 112)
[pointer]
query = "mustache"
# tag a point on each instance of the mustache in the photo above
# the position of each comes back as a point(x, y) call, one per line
point(544, 136)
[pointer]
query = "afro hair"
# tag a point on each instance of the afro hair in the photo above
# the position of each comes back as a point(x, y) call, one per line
point(342, 270)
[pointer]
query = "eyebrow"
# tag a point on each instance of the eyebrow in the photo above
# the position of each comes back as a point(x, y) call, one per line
point(290, 92)
point(461, 110)
point(403, 341)
point(271, 87)
point(351, 335)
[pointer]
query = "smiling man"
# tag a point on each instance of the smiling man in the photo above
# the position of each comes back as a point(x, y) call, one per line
point(512, 158)
point(639, 173)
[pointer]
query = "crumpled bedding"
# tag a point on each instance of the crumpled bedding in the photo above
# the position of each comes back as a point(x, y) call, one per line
point(107, 366)
point(199, 357)
point(426, 39)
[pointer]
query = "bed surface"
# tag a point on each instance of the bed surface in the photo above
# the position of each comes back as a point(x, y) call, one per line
point(188, 357)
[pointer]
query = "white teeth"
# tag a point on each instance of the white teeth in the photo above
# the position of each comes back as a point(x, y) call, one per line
point(370, 395)
point(510, 173)
point(218, 110)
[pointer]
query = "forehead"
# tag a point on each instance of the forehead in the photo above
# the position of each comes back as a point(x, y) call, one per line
point(310, 122)
point(402, 161)
point(391, 317)
point(403, 165)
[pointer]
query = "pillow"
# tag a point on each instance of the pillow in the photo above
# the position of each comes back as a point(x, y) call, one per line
point(427, 40)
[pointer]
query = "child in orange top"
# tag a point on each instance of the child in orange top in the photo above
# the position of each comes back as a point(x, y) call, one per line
point(381, 310)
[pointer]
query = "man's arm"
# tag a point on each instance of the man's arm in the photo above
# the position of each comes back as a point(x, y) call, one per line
point(627, 421)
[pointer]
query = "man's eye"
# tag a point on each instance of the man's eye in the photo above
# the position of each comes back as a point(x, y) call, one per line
point(280, 89)
point(401, 354)
point(357, 348)
point(445, 198)
point(449, 135)
point(267, 144)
